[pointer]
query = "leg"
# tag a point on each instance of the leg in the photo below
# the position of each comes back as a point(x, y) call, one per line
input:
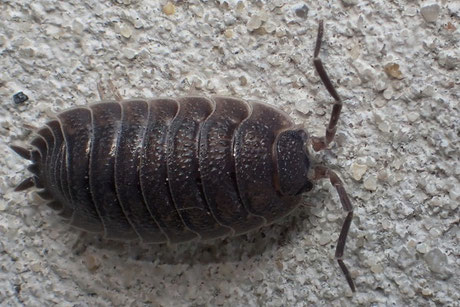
point(320, 143)
point(25, 184)
point(115, 92)
point(321, 172)
point(101, 91)
point(25, 153)
point(113, 89)
point(79, 246)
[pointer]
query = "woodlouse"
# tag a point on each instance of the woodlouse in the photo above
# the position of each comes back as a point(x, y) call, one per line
point(172, 170)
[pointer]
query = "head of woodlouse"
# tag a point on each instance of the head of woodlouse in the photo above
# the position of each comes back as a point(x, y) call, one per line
point(293, 162)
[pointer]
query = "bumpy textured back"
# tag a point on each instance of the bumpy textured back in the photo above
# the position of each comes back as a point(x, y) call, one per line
point(165, 169)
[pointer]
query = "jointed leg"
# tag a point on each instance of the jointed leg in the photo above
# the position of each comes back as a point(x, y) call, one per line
point(112, 88)
point(320, 143)
point(321, 172)
point(101, 91)
point(115, 91)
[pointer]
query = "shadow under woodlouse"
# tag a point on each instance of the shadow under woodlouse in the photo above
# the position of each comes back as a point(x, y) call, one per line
point(265, 241)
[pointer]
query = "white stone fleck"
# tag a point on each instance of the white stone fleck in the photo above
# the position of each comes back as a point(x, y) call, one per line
point(254, 23)
point(422, 248)
point(358, 170)
point(384, 127)
point(270, 27)
point(324, 239)
point(129, 53)
point(388, 93)
point(427, 292)
point(302, 106)
point(413, 116)
point(370, 183)
point(126, 30)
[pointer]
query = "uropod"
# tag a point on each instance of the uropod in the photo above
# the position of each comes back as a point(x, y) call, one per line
point(174, 170)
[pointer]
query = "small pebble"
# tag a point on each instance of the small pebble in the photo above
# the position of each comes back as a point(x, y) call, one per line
point(382, 175)
point(436, 260)
point(270, 27)
point(254, 23)
point(430, 12)
point(411, 11)
point(377, 268)
point(92, 263)
point(392, 70)
point(380, 85)
point(449, 59)
point(324, 239)
point(349, 2)
point(454, 193)
point(302, 11)
point(450, 27)
point(358, 170)
point(239, 6)
point(384, 127)
point(388, 93)
point(20, 97)
point(169, 8)
point(405, 258)
point(397, 163)
point(243, 81)
point(435, 232)
point(258, 275)
point(300, 255)
point(35, 267)
point(412, 116)
point(427, 292)
point(380, 102)
point(228, 33)
point(129, 53)
point(370, 183)
point(77, 27)
point(386, 224)
point(302, 106)
point(126, 30)
point(411, 243)
point(2, 40)
point(422, 248)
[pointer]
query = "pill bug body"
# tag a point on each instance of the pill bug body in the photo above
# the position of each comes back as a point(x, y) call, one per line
point(171, 170)
point(176, 170)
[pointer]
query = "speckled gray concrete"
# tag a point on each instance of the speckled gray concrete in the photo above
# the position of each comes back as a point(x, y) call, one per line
point(397, 148)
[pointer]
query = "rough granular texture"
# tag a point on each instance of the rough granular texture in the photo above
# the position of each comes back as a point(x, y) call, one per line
point(396, 65)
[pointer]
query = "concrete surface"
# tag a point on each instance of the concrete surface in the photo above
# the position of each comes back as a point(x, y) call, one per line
point(395, 63)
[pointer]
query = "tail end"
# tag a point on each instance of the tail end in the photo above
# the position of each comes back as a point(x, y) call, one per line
point(25, 153)
point(26, 184)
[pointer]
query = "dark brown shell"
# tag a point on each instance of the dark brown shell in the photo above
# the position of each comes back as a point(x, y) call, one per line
point(171, 169)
